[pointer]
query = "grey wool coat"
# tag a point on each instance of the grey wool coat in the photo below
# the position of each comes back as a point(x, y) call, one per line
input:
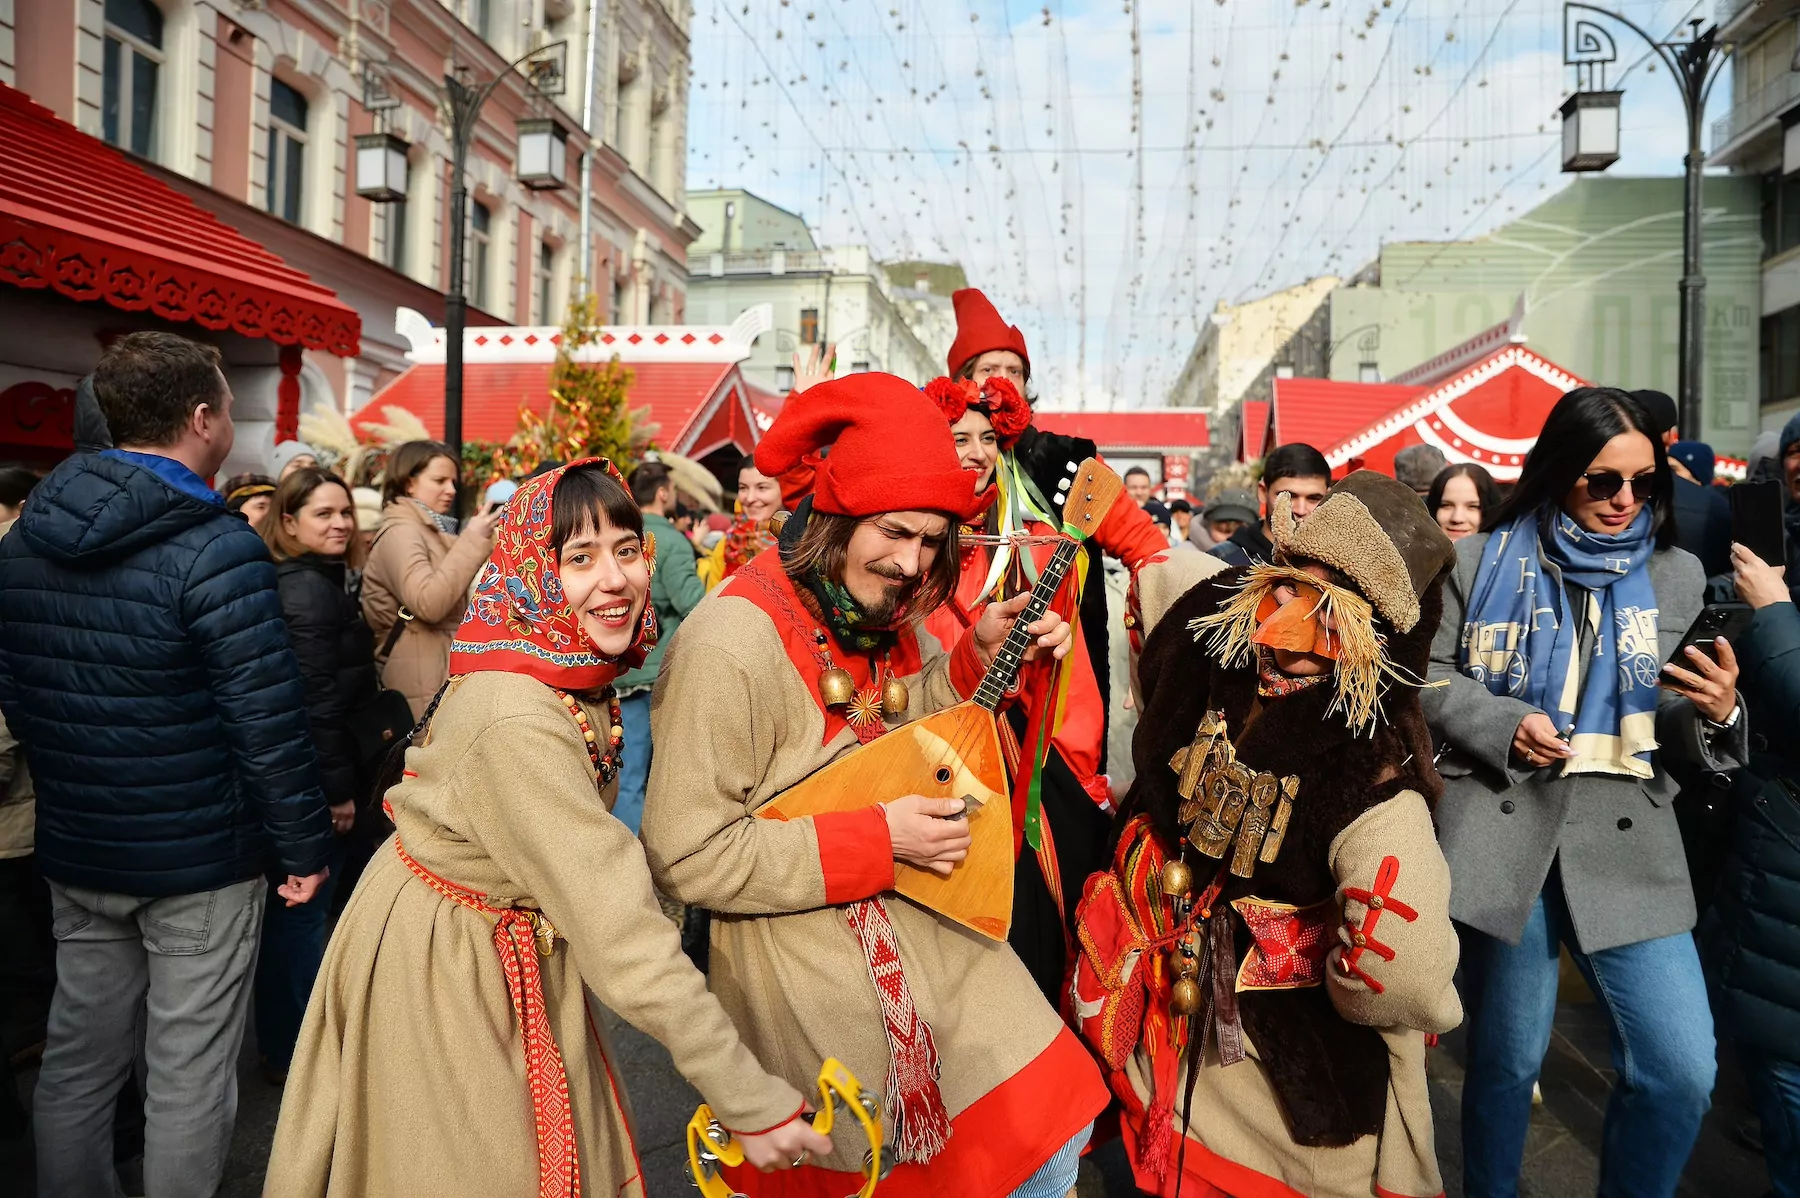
point(1501, 825)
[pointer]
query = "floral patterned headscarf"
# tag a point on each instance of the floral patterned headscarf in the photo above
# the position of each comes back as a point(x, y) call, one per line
point(518, 619)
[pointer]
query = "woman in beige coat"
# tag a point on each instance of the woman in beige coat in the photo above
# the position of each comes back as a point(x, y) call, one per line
point(450, 1047)
point(420, 570)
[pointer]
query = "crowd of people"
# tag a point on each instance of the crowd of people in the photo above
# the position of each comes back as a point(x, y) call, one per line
point(413, 795)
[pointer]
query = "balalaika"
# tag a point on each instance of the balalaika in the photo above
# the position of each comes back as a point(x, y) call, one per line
point(955, 753)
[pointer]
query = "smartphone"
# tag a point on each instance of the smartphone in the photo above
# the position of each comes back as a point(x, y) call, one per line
point(1715, 620)
point(1756, 520)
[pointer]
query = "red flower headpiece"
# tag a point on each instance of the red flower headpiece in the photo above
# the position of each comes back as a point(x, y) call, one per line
point(997, 399)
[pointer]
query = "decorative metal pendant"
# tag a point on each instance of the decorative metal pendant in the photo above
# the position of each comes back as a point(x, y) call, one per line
point(1177, 878)
point(1227, 806)
point(894, 698)
point(1184, 998)
point(836, 687)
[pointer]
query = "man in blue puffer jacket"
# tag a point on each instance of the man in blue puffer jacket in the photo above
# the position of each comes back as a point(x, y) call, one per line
point(145, 669)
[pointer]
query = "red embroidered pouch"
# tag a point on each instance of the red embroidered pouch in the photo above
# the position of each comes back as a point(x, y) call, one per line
point(1108, 988)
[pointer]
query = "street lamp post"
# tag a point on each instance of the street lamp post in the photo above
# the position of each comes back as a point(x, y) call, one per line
point(464, 100)
point(1695, 64)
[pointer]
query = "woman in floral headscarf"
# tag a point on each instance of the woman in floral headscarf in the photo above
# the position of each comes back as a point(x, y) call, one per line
point(508, 892)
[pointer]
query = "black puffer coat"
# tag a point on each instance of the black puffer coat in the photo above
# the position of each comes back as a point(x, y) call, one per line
point(145, 668)
point(1752, 935)
point(337, 662)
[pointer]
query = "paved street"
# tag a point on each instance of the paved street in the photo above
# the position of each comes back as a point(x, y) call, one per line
point(1561, 1158)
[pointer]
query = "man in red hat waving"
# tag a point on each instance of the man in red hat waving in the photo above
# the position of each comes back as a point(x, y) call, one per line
point(803, 656)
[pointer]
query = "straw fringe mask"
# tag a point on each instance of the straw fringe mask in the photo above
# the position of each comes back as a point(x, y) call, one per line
point(1363, 673)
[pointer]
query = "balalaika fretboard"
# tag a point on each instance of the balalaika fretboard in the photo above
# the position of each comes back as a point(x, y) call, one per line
point(1001, 676)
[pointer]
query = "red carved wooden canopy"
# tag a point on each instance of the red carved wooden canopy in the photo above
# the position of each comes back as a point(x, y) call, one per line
point(78, 216)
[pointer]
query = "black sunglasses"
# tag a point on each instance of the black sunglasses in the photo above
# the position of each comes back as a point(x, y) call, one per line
point(1604, 484)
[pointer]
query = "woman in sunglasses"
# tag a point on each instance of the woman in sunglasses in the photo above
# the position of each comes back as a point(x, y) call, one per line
point(1557, 716)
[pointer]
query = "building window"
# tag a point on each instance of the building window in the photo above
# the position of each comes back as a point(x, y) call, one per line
point(809, 326)
point(131, 57)
point(396, 234)
point(546, 274)
point(1781, 356)
point(481, 220)
point(287, 150)
point(784, 379)
point(481, 18)
point(859, 368)
point(1780, 214)
point(616, 313)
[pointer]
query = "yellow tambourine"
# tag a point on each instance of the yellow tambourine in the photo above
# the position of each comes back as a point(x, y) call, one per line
point(711, 1147)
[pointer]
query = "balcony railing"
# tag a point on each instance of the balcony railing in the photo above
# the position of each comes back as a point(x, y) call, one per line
point(1773, 97)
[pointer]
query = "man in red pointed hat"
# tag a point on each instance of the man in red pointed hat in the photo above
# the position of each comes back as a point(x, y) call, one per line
point(804, 655)
point(1073, 793)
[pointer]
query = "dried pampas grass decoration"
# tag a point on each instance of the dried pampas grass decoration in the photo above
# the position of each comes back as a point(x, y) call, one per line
point(1363, 672)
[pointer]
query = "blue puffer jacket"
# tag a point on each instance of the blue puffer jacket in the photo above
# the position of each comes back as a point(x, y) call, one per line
point(1752, 936)
point(145, 668)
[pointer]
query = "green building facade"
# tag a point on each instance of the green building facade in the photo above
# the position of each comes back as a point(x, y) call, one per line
point(1598, 265)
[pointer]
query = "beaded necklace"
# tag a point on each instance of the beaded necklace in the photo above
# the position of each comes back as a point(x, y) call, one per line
point(606, 766)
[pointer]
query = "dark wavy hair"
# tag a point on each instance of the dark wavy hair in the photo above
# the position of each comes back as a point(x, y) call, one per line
point(1578, 427)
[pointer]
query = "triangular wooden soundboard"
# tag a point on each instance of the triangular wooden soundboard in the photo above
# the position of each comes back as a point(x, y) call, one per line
point(951, 754)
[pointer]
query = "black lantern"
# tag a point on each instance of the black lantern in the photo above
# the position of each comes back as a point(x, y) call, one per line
point(381, 167)
point(543, 154)
point(1591, 130)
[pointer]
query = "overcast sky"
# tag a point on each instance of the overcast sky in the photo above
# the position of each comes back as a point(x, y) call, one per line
point(1108, 171)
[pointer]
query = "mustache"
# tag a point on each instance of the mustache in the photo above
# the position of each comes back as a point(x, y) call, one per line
point(891, 573)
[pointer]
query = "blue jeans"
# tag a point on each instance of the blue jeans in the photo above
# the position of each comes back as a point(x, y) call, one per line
point(1653, 996)
point(1056, 1176)
point(293, 946)
point(1775, 1091)
point(634, 769)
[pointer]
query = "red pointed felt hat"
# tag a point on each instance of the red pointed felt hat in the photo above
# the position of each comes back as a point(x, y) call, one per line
point(890, 448)
point(979, 329)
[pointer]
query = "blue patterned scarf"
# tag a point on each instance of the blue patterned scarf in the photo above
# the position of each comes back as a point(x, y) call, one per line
point(1520, 636)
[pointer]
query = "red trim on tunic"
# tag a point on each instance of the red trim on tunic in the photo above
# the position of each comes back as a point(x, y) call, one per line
point(995, 1145)
point(1204, 1173)
point(618, 1096)
point(764, 583)
point(1383, 1192)
point(798, 1111)
point(856, 853)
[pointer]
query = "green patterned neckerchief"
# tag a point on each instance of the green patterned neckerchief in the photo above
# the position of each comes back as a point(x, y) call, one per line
point(845, 618)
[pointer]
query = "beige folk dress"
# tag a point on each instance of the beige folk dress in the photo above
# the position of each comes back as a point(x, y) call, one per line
point(411, 1074)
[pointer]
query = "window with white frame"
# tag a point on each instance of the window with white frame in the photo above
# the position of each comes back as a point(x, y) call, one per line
point(481, 18)
point(131, 60)
point(286, 167)
point(481, 222)
point(546, 277)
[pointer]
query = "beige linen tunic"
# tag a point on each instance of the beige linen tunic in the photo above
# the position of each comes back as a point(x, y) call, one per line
point(1238, 1137)
point(410, 1077)
point(735, 725)
point(416, 565)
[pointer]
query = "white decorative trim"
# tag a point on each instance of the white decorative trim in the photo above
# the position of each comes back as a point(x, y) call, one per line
point(628, 343)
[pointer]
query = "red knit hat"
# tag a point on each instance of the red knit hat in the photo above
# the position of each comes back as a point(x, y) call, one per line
point(890, 448)
point(979, 329)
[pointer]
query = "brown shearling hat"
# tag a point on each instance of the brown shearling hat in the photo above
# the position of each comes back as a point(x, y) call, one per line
point(1374, 530)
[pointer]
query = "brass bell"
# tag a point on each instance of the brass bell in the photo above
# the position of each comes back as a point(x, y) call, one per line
point(1177, 878)
point(1184, 998)
point(894, 698)
point(836, 687)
